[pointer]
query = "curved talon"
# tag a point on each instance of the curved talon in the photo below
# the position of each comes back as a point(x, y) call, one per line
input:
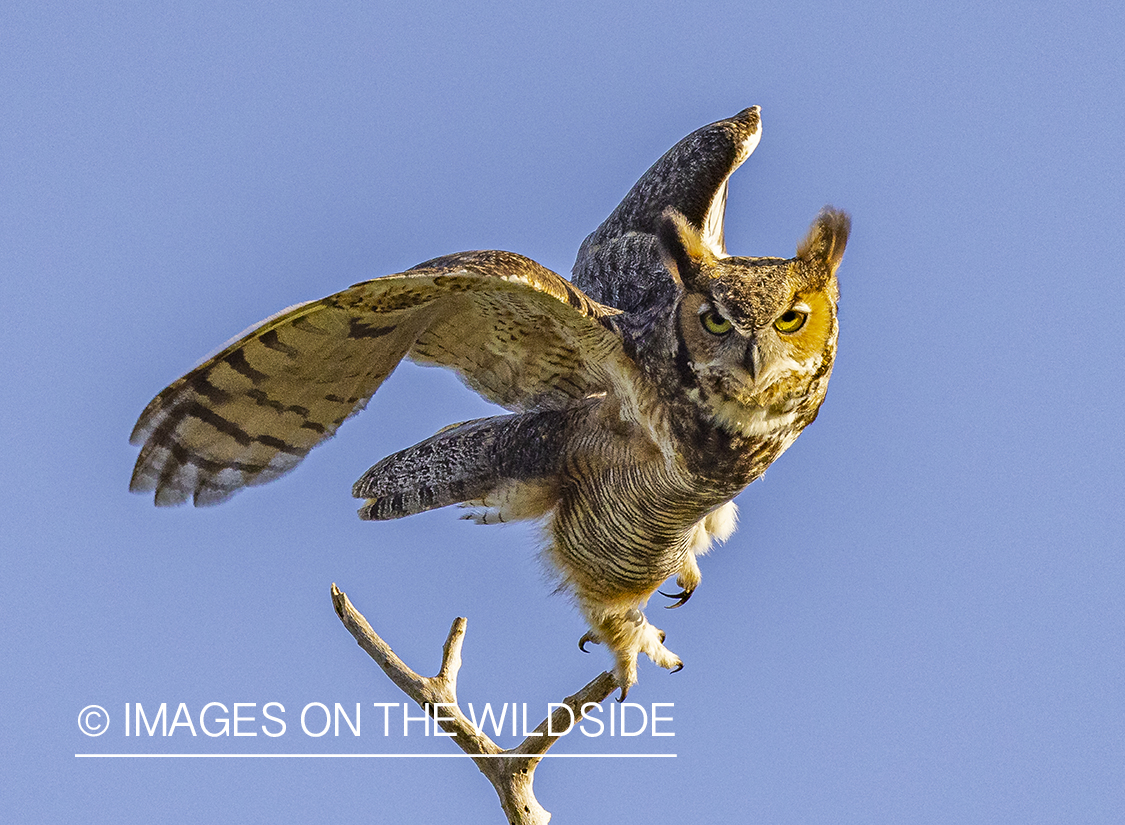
point(681, 598)
point(624, 693)
point(677, 668)
point(586, 637)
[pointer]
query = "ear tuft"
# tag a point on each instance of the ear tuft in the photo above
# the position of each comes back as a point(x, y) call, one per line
point(681, 245)
point(826, 239)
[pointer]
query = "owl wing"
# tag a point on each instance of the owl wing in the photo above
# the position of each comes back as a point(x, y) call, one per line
point(516, 332)
point(619, 262)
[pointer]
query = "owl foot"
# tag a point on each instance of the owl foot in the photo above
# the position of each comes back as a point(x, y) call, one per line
point(630, 635)
point(624, 629)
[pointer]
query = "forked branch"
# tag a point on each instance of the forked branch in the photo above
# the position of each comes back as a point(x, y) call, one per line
point(511, 771)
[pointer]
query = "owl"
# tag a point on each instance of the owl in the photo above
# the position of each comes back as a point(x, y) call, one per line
point(643, 396)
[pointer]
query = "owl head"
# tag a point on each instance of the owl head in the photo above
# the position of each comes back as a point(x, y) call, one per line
point(758, 335)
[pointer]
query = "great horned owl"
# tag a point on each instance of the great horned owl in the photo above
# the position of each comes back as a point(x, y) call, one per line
point(645, 396)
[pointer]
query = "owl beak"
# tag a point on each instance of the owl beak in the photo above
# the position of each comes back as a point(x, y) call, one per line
point(752, 361)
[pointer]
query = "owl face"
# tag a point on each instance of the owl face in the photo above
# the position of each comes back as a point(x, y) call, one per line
point(759, 333)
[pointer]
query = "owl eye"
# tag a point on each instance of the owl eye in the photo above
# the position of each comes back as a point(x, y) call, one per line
point(790, 321)
point(715, 323)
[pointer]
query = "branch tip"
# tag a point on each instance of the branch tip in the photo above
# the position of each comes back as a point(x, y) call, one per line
point(512, 784)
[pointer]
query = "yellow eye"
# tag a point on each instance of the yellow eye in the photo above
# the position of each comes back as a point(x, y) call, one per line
point(790, 321)
point(715, 323)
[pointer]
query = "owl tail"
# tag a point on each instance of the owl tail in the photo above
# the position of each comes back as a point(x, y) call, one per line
point(507, 465)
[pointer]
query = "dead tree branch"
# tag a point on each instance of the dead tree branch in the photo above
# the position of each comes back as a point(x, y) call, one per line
point(512, 771)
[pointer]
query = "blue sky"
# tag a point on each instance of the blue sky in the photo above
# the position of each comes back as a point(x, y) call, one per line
point(921, 617)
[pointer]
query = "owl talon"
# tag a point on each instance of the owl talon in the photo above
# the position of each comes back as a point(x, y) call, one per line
point(677, 668)
point(588, 636)
point(681, 598)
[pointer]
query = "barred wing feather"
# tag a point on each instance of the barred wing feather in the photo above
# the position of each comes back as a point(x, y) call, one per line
point(515, 332)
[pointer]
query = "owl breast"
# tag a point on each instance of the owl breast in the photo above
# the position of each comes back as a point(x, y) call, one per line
point(624, 531)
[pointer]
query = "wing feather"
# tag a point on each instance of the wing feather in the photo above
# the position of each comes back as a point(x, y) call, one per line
point(514, 331)
point(619, 263)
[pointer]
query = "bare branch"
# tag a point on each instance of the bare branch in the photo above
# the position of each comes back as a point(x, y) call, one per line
point(560, 721)
point(511, 772)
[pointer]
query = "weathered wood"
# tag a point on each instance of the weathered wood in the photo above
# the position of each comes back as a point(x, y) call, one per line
point(512, 771)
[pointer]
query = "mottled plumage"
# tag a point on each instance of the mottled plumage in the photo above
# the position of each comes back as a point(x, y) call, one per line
point(645, 396)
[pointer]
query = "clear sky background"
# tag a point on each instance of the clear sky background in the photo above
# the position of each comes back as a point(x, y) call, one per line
point(922, 616)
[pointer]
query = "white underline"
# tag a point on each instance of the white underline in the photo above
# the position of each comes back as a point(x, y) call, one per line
point(372, 756)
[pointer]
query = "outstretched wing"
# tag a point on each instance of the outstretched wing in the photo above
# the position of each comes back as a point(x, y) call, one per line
point(516, 332)
point(619, 263)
